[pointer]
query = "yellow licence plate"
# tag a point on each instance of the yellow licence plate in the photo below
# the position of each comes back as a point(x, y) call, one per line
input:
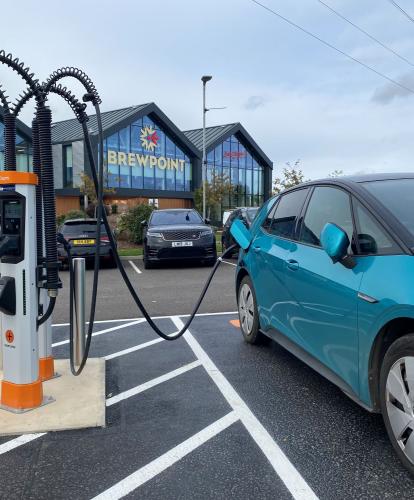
point(84, 242)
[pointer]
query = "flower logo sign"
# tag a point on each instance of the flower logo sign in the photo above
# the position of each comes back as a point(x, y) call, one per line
point(149, 138)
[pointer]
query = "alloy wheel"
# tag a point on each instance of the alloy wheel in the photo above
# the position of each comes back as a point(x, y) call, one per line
point(400, 404)
point(246, 308)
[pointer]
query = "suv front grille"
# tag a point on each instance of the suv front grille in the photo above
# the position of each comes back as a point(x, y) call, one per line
point(186, 234)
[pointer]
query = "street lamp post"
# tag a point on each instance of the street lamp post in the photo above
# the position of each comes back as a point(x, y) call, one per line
point(204, 79)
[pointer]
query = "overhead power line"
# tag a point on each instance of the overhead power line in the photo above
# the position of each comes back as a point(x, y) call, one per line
point(386, 47)
point(327, 44)
point(398, 7)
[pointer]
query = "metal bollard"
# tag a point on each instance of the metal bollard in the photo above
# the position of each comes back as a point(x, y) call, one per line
point(79, 310)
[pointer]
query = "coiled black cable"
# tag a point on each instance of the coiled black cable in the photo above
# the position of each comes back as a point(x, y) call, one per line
point(9, 121)
point(44, 119)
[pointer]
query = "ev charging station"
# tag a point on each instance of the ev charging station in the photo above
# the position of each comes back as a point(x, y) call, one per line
point(29, 280)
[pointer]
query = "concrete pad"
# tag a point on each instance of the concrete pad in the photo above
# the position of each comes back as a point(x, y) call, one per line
point(79, 402)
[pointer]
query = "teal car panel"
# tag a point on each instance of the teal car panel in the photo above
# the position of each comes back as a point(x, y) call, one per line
point(389, 280)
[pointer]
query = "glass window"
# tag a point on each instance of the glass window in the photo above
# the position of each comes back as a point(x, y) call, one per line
point(372, 238)
point(397, 195)
point(124, 140)
point(168, 217)
point(268, 221)
point(226, 153)
point(287, 210)
point(188, 174)
point(113, 176)
point(67, 166)
point(137, 178)
point(326, 205)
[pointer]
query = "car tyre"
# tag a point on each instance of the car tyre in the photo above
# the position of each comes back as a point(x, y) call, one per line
point(397, 397)
point(248, 313)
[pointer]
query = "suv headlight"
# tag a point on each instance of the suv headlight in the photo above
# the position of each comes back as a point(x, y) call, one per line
point(154, 235)
point(206, 232)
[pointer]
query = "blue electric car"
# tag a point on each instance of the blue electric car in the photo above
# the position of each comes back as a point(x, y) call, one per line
point(327, 271)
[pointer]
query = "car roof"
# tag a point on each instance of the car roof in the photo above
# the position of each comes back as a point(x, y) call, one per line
point(72, 221)
point(175, 210)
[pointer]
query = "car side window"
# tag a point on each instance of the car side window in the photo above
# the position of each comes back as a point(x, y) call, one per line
point(268, 220)
point(372, 238)
point(287, 210)
point(327, 204)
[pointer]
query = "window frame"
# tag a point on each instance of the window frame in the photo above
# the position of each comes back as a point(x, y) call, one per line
point(377, 221)
point(352, 195)
point(297, 218)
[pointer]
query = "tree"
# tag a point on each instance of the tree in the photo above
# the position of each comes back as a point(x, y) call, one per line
point(336, 173)
point(292, 176)
point(87, 188)
point(219, 187)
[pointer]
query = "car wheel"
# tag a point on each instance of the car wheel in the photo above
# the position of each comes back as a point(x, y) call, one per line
point(248, 314)
point(397, 397)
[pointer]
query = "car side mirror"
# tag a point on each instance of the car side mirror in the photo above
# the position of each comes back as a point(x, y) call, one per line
point(207, 221)
point(335, 242)
point(144, 223)
point(241, 234)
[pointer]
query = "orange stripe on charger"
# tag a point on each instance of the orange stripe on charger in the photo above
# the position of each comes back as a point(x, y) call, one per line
point(12, 177)
point(46, 368)
point(21, 396)
point(235, 322)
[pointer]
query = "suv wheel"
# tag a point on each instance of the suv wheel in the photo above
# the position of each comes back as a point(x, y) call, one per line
point(397, 397)
point(248, 314)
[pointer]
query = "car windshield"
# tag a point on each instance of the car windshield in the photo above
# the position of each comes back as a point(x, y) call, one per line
point(397, 195)
point(77, 228)
point(170, 217)
point(251, 213)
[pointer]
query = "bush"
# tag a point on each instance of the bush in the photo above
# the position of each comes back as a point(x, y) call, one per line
point(129, 224)
point(114, 208)
point(72, 214)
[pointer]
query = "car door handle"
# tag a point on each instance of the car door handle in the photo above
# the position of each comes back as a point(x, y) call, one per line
point(292, 264)
point(256, 249)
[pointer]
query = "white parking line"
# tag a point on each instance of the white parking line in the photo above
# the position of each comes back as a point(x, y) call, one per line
point(97, 322)
point(295, 483)
point(132, 349)
point(134, 267)
point(151, 383)
point(19, 441)
point(107, 330)
point(160, 464)
point(229, 263)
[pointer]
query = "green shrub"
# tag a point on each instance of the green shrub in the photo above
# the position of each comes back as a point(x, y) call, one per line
point(72, 214)
point(129, 224)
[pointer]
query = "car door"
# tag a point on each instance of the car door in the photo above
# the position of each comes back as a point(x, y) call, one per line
point(270, 247)
point(322, 315)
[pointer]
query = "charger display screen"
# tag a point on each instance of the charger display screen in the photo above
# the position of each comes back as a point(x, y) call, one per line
point(12, 210)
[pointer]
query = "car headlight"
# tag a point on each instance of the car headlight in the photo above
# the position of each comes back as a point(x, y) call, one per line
point(154, 235)
point(206, 232)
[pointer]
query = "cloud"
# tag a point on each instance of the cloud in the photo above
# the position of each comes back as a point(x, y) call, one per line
point(255, 101)
point(390, 91)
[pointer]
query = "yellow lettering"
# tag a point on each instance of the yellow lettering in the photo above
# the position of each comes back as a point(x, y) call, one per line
point(131, 159)
point(174, 164)
point(142, 160)
point(122, 158)
point(162, 163)
point(153, 161)
point(182, 164)
point(112, 157)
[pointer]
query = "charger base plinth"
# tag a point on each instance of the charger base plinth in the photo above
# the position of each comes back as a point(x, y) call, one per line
point(78, 402)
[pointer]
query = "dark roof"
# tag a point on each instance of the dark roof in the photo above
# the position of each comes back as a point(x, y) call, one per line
point(218, 134)
point(71, 130)
point(377, 177)
point(212, 134)
point(22, 128)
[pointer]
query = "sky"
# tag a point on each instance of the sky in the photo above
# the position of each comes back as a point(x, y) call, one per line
point(298, 98)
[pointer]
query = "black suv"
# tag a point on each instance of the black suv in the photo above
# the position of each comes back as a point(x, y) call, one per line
point(246, 215)
point(81, 234)
point(178, 234)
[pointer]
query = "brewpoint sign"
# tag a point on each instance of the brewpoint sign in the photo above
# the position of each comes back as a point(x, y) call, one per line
point(149, 142)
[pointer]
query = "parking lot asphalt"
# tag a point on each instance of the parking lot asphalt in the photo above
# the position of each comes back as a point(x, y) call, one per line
point(164, 291)
point(207, 416)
